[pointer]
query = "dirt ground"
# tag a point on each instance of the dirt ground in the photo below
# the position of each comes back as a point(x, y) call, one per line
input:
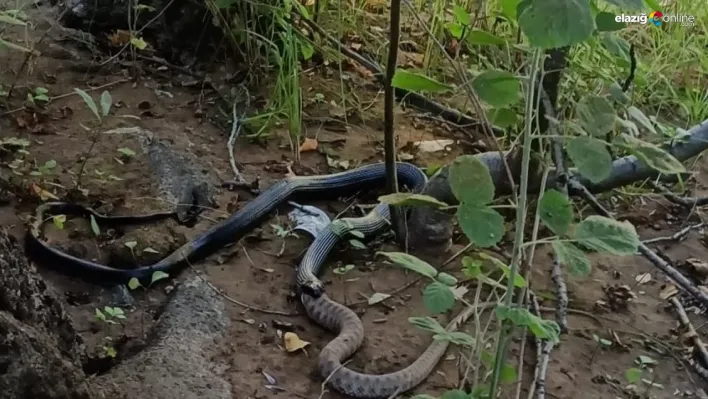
point(259, 271)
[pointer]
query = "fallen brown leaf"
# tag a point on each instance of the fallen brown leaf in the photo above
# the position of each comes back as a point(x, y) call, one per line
point(293, 342)
point(309, 145)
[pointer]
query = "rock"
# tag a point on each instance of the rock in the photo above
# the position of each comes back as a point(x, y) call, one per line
point(175, 366)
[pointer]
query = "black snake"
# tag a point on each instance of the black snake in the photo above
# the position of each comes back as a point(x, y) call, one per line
point(319, 306)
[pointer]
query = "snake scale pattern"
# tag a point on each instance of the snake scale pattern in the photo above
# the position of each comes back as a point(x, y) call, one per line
point(319, 307)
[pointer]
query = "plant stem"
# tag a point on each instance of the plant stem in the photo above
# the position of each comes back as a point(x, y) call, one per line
point(500, 356)
point(389, 134)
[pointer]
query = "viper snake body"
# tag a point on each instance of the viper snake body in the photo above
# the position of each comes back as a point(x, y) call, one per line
point(319, 307)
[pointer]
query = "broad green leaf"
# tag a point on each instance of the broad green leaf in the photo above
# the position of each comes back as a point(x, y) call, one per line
point(138, 43)
point(483, 38)
point(446, 279)
point(508, 374)
point(94, 226)
point(519, 280)
point(629, 5)
point(106, 102)
point(556, 211)
point(591, 158)
point(470, 180)
point(653, 4)
point(509, 8)
point(157, 276)
point(410, 81)
point(557, 23)
point(133, 283)
point(633, 375)
point(616, 45)
point(618, 95)
point(100, 315)
point(596, 115)
point(410, 199)
point(484, 226)
point(357, 244)
point(497, 88)
point(639, 116)
point(13, 46)
point(110, 351)
point(51, 164)
point(502, 117)
point(131, 244)
point(410, 262)
point(307, 50)
point(427, 324)
point(89, 102)
point(652, 155)
point(455, 394)
point(59, 221)
point(461, 15)
point(568, 254)
point(456, 30)
point(544, 329)
point(606, 22)
point(472, 267)
point(438, 297)
point(607, 235)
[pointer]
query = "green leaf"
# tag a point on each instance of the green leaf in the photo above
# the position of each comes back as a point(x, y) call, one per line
point(478, 37)
point(106, 102)
point(497, 88)
point(556, 23)
point(59, 221)
point(519, 280)
point(455, 394)
point(607, 235)
point(410, 262)
point(470, 180)
point(456, 30)
point(446, 279)
point(544, 329)
point(596, 115)
point(307, 50)
point(653, 4)
point(639, 116)
point(355, 233)
point(410, 199)
point(509, 8)
point(457, 338)
point(502, 117)
point(100, 315)
point(508, 374)
point(410, 81)
point(110, 351)
point(606, 22)
point(150, 250)
point(134, 283)
point(568, 254)
point(427, 324)
point(438, 297)
point(643, 360)
point(652, 155)
point(89, 102)
point(138, 43)
point(555, 211)
point(484, 226)
point(633, 375)
point(618, 94)
point(616, 45)
point(94, 226)
point(473, 268)
point(157, 276)
point(127, 152)
point(13, 46)
point(11, 20)
point(591, 158)
point(131, 244)
point(630, 5)
point(342, 270)
point(357, 244)
point(461, 15)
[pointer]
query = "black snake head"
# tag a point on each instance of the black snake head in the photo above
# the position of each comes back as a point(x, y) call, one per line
point(313, 288)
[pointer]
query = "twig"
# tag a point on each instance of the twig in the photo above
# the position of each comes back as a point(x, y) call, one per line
point(543, 368)
point(632, 68)
point(678, 236)
point(689, 202)
point(665, 267)
point(699, 348)
point(235, 132)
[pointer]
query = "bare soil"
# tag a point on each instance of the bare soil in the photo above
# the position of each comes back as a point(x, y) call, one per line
point(259, 271)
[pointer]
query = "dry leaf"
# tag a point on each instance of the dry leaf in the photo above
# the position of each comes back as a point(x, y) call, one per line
point(433, 145)
point(293, 342)
point(309, 145)
point(668, 291)
point(378, 297)
point(643, 278)
point(42, 193)
point(120, 38)
point(460, 291)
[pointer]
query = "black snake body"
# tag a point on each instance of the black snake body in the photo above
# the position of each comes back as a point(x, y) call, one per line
point(318, 305)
